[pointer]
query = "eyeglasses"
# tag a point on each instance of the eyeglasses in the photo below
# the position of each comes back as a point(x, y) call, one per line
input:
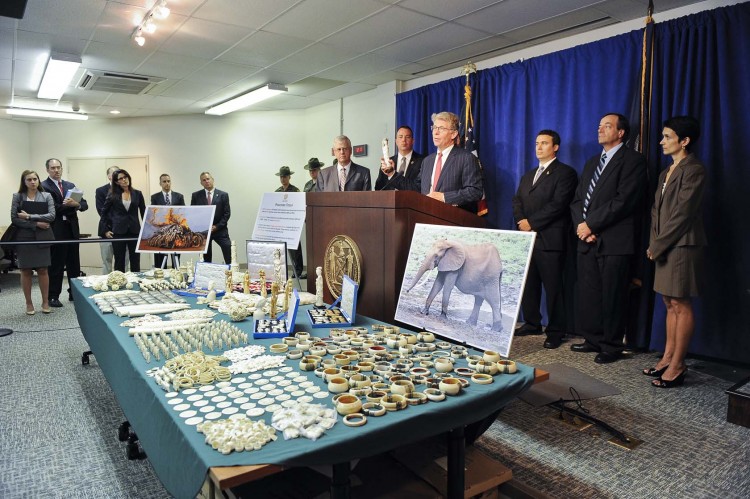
point(441, 129)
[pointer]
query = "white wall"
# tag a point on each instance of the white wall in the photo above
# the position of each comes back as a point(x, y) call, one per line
point(14, 159)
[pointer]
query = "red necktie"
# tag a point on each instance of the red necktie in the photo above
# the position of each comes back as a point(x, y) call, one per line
point(438, 169)
point(208, 197)
point(59, 184)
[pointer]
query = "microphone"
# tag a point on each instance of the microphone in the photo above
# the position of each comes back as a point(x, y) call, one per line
point(394, 177)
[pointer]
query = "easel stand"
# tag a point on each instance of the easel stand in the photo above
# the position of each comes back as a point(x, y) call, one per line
point(290, 258)
point(175, 260)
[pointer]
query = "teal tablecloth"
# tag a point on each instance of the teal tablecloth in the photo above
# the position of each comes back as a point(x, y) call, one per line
point(178, 453)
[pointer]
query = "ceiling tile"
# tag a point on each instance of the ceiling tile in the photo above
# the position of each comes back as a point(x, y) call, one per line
point(361, 66)
point(384, 77)
point(314, 19)
point(190, 90)
point(446, 10)
point(344, 91)
point(295, 102)
point(431, 42)
point(108, 57)
point(32, 46)
point(118, 21)
point(263, 48)
point(380, 29)
point(315, 58)
point(557, 27)
point(204, 39)
point(511, 14)
point(6, 43)
point(221, 73)
point(170, 65)
point(312, 85)
point(6, 69)
point(459, 56)
point(127, 100)
point(168, 103)
point(242, 13)
point(69, 17)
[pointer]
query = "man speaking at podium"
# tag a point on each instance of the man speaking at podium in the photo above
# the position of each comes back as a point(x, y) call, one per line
point(452, 175)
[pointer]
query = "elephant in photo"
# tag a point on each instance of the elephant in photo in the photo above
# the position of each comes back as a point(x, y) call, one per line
point(474, 269)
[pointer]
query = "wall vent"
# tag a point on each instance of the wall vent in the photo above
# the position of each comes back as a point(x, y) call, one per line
point(119, 83)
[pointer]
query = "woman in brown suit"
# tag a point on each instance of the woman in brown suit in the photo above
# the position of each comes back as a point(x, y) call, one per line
point(676, 245)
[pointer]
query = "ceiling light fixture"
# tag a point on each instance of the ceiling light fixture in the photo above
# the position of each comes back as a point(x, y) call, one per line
point(57, 75)
point(147, 25)
point(41, 113)
point(248, 99)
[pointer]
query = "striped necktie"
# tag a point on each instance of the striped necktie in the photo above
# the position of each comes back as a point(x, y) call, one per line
point(342, 179)
point(166, 200)
point(592, 184)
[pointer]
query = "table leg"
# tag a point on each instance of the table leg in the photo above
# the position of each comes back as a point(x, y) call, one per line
point(456, 463)
point(340, 487)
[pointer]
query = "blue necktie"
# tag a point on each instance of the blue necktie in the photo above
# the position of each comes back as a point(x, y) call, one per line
point(594, 180)
point(168, 202)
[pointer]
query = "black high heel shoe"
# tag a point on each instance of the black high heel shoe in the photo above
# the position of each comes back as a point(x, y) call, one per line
point(654, 372)
point(663, 383)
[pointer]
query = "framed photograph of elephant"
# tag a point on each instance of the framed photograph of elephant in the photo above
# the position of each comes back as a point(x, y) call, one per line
point(478, 274)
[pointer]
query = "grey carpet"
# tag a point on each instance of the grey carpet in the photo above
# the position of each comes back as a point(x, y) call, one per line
point(561, 379)
point(688, 449)
point(59, 419)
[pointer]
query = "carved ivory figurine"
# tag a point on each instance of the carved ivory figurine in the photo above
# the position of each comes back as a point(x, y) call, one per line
point(319, 287)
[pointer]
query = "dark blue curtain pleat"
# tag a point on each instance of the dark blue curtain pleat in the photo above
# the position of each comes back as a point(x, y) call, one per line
point(701, 68)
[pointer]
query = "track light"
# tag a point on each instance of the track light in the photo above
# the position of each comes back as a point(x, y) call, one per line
point(248, 99)
point(148, 25)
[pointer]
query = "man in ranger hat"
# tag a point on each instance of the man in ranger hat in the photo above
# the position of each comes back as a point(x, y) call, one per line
point(284, 175)
point(313, 166)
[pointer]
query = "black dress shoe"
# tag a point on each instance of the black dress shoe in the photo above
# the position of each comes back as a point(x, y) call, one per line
point(526, 330)
point(552, 343)
point(606, 357)
point(70, 296)
point(583, 347)
point(54, 302)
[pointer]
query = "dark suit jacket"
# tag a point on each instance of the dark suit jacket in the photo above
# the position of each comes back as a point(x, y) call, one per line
point(676, 217)
point(412, 181)
point(357, 179)
point(101, 197)
point(223, 211)
point(119, 220)
point(176, 198)
point(71, 214)
point(545, 204)
point(460, 178)
point(614, 203)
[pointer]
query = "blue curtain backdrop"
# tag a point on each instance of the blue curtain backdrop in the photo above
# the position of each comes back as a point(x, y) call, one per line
point(701, 68)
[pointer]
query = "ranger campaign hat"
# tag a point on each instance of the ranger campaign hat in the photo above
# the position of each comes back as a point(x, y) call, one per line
point(313, 164)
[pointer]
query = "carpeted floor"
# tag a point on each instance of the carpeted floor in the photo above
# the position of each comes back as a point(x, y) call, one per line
point(59, 419)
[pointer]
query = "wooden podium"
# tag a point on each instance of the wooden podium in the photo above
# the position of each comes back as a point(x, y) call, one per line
point(382, 224)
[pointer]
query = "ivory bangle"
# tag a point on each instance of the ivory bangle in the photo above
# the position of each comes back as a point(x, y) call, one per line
point(373, 409)
point(482, 379)
point(416, 398)
point(507, 367)
point(434, 394)
point(355, 419)
point(279, 348)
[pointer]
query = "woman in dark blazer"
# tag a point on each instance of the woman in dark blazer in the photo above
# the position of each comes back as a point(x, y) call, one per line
point(33, 227)
point(676, 245)
point(120, 217)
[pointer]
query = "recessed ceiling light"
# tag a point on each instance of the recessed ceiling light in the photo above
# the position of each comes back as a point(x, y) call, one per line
point(114, 111)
